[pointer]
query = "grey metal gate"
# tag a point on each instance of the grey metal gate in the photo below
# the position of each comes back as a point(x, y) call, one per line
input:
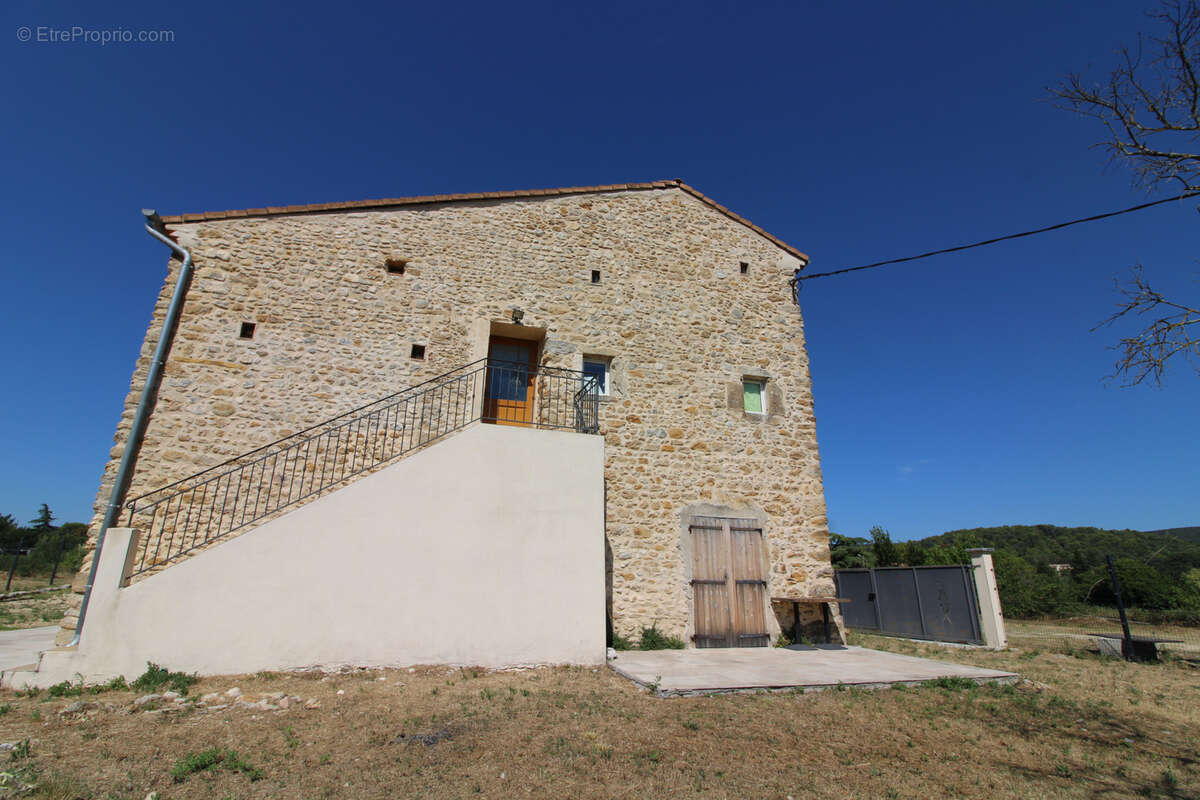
point(935, 603)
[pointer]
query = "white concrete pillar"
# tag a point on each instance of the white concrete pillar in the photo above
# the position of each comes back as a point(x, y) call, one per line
point(991, 616)
point(112, 574)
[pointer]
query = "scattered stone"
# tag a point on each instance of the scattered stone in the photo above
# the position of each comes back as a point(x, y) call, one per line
point(79, 707)
point(146, 698)
point(412, 669)
point(218, 708)
point(234, 692)
point(312, 703)
point(275, 695)
point(6, 746)
point(171, 695)
point(341, 691)
point(611, 654)
point(211, 697)
point(427, 739)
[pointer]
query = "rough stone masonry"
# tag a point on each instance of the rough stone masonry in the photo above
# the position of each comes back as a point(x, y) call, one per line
point(682, 321)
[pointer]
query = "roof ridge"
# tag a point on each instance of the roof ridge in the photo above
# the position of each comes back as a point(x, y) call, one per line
point(676, 183)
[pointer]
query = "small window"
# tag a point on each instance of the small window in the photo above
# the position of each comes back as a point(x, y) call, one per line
point(597, 368)
point(753, 390)
point(418, 352)
point(395, 266)
point(595, 276)
point(247, 331)
point(745, 267)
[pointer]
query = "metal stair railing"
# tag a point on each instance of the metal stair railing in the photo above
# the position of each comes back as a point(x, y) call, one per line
point(191, 513)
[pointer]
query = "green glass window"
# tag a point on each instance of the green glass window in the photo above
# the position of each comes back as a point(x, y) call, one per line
point(752, 396)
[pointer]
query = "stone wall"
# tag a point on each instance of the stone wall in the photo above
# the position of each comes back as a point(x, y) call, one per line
point(682, 324)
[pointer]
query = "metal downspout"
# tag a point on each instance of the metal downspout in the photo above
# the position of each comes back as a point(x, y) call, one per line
point(133, 444)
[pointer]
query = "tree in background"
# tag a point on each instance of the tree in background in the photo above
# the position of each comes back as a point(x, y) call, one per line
point(1150, 106)
point(886, 552)
point(912, 554)
point(42, 544)
point(849, 552)
point(44, 521)
point(1142, 586)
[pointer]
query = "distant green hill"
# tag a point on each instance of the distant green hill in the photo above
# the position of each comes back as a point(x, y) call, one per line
point(1191, 534)
point(1082, 548)
point(1158, 572)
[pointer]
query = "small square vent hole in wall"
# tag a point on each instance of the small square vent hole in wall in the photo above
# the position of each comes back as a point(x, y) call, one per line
point(418, 352)
point(745, 267)
point(395, 266)
point(247, 331)
point(595, 276)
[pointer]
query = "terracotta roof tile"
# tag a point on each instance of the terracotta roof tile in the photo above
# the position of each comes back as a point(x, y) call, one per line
point(452, 198)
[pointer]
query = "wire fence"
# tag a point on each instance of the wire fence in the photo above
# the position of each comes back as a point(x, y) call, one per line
point(1118, 630)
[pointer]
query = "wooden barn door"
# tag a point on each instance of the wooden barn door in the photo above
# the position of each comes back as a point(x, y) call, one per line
point(729, 582)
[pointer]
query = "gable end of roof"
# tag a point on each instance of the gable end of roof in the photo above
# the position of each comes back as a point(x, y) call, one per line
point(398, 202)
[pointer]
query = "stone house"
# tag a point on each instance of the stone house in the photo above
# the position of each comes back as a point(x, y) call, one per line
point(667, 324)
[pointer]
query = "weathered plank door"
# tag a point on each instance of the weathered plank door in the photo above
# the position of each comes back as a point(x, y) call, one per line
point(729, 582)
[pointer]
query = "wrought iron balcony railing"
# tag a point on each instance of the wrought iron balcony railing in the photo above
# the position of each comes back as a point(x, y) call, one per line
point(191, 513)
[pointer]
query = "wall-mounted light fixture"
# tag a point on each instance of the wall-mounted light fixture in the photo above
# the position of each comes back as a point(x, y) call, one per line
point(517, 316)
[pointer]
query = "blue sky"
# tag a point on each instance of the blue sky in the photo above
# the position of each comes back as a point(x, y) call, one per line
point(959, 391)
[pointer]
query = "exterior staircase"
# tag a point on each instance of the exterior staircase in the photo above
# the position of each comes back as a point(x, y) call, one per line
point(371, 477)
point(193, 513)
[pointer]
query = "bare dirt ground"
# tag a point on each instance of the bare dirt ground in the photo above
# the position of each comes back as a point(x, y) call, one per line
point(1077, 727)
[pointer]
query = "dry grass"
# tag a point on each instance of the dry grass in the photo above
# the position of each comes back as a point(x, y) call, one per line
point(1086, 728)
point(36, 610)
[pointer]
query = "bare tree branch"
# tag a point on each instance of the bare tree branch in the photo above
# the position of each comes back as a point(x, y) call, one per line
point(1150, 106)
point(1145, 354)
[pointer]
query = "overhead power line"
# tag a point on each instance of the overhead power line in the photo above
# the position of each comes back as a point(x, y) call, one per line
point(796, 280)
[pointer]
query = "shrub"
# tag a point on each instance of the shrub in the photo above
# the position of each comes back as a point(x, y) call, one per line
point(65, 689)
point(156, 677)
point(619, 642)
point(654, 639)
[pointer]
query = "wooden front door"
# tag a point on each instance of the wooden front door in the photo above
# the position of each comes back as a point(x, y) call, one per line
point(729, 582)
point(511, 367)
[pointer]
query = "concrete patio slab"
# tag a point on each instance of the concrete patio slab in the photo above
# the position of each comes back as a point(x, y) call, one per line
point(810, 668)
point(21, 647)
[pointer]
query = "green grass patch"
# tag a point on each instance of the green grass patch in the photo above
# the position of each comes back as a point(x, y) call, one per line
point(214, 758)
point(951, 683)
